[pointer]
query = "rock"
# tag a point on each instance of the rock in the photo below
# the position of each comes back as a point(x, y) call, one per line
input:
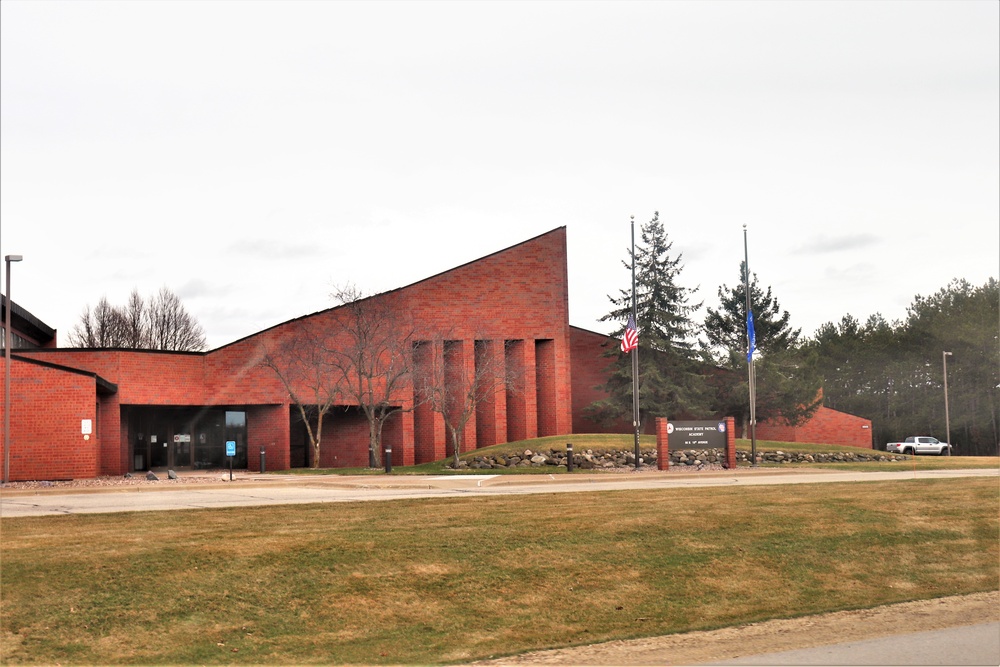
point(151, 476)
point(128, 475)
point(171, 474)
point(538, 458)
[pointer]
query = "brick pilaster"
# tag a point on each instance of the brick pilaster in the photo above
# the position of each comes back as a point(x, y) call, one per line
point(731, 443)
point(662, 446)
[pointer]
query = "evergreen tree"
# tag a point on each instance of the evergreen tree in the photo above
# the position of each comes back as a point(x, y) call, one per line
point(892, 373)
point(671, 382)
point(787, 381)
point(725, 328)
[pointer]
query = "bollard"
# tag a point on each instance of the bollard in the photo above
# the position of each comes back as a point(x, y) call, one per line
point(261, 460)
point(569, 457)
point(388, 460)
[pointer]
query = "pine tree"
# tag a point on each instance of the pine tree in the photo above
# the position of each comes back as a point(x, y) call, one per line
point(671, 382)
point(788, 383)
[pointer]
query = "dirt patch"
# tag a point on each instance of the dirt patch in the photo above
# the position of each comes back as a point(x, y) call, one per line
point(777, 635)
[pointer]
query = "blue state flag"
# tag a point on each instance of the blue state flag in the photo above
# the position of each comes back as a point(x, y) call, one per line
point(751, 335)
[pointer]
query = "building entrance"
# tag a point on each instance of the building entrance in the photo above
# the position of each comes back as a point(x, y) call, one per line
point(192, 438)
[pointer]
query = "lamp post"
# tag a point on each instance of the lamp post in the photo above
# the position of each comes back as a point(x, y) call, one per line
point(6, 374)
point(947, 421)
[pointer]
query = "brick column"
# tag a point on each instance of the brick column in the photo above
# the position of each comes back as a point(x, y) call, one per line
point(731, 443)
point(662, 445)
point(429, 434)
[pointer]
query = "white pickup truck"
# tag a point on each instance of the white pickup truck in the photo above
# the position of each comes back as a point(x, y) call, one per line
point(919, 444)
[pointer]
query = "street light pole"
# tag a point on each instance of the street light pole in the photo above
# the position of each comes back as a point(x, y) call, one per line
point(6, 374)
point(947, 420)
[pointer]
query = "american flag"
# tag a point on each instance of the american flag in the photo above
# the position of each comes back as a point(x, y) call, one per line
point(630, 340)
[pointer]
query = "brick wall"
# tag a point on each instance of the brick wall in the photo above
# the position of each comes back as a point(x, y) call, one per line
point(113, 443)
point(491, 412)
point(268, 427)
point(590, 373)
point(827, 426)
point(48, 406)
point(546, 404)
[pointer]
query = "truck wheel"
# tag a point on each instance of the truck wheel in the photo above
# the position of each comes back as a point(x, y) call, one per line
point(910, 451)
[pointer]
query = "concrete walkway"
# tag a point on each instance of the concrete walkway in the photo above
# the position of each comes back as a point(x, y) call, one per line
point(248, 489)
point(964, 645)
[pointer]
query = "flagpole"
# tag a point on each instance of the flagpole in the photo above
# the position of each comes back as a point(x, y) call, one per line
point(635, 360)
point(751, 375)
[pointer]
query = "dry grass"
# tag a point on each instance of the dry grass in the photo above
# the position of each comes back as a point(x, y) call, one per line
point(431, 581)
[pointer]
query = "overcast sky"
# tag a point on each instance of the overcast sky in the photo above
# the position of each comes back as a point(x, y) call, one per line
point(252, 155)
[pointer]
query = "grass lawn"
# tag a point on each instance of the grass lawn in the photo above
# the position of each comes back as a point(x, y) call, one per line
point(450, 580)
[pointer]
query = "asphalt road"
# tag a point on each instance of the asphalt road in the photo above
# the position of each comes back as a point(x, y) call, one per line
point(256, 490)
point(964, 645)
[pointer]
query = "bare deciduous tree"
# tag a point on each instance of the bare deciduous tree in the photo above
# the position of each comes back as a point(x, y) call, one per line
point(454, 387)
point(374, 359)
point(303, 364)
point(133, 316)
point(169, 325)
point(100, 327)
point(161, 323)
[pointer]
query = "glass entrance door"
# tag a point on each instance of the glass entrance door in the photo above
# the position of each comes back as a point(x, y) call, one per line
point(159, 451)
point(180, 451)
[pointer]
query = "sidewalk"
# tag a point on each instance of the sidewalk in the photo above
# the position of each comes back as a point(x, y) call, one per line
point(250, 489)
point(221, 479)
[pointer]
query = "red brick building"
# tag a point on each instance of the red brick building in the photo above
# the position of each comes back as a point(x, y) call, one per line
point(79, 413)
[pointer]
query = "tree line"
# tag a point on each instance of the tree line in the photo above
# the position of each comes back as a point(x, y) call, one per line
point(889, 372)
point(893, 372)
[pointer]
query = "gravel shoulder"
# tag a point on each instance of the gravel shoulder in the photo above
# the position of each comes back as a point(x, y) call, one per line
point(694, 648)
